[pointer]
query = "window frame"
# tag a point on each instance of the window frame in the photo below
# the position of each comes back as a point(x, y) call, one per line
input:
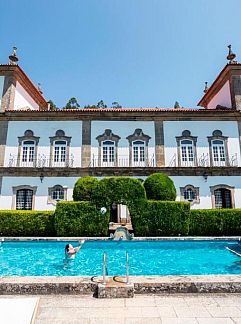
point(28, 136)
point(186, 136)
point(60, 137)
point(52, 189)
point(194, 189)
point(108, 135)
point(218, 136)
point(15, 189)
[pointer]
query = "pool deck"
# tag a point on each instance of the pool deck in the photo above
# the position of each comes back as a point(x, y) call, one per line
point(166, 309)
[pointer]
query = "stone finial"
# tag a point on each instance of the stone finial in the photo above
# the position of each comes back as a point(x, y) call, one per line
point(40, 88)
point(206, 87)
point(13, 59)
point(231, 56)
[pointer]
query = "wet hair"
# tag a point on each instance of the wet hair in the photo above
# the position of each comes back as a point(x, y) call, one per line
point(66, 248)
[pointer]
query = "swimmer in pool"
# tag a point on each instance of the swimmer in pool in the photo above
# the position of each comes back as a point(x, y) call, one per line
point(70, 251)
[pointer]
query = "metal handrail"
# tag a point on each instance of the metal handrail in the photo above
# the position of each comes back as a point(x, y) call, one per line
point(104, 268)
point(127, 268)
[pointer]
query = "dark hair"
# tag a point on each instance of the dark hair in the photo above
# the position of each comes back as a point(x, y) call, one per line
point(66, 248)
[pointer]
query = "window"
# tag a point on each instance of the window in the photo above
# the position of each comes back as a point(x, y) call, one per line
point(190, 193)
point(56, 194)
point(28, 152)
point(187, 155)
point(27, 149)
point(24, 199)
point(222, 196)
point(218, 149)
point(138, 151)
point(59, 151)
point(108, 152)
point(186, 148)
point(218, 153)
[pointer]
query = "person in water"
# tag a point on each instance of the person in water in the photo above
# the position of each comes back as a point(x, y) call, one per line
point(70, 251)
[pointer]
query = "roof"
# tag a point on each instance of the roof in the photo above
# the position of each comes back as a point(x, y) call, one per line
point(26, 83)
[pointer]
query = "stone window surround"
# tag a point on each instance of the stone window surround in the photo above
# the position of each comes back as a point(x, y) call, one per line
point(186, 135)
point(218, 135)
point(108, 136)
point(16, 188)
point(59, 136)
point(138, 135)
point(195, 189)
point(222, 186)
point(51, 189)
point(28, 136)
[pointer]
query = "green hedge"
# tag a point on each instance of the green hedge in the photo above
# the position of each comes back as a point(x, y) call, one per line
point(160, 218)
point(125, 190)
point(84, 188)
point(80, 219)
point(159, 186)
point(26, 223)
point(215, 222)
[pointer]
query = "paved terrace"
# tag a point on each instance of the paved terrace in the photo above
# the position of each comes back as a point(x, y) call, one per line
point(165, 309)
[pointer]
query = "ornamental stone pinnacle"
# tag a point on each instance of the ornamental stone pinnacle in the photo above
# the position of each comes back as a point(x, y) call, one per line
point(231, 56)
point(206, 87)
point(40, 88)
point(13, 59)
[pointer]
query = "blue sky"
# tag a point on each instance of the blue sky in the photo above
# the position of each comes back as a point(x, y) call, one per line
point(141, 53)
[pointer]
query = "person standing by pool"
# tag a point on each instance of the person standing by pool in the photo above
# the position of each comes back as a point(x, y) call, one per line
point(70, 251)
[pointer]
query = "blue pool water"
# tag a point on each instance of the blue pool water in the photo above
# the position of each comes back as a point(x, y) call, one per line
point(145, 258)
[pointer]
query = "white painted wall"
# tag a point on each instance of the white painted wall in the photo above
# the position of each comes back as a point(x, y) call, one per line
point(122, 129)
point(201, 129)
point(1, 88)
point(41, 200)
point(22, 99)
point(44, 130)
point(223, 98)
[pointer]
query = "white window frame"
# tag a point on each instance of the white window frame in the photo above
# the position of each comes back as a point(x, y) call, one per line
point(138, 153)
point(108, 153)
point(59, 153)
point(187, 153)
point(28, 153)
point(218, 152)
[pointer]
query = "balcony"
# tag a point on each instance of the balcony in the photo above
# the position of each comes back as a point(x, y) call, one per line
point(204, 161)
point(42, 161)
point(122, 161)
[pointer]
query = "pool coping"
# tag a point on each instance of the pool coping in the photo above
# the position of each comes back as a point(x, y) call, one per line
point(142, 284)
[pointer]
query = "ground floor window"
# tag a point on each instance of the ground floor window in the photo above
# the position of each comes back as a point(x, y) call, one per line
point(190, 193)
point(24, 199)
point(57, 193)
point(222, 198)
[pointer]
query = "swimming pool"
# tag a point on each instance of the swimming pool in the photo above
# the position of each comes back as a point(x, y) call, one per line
point(46, 258)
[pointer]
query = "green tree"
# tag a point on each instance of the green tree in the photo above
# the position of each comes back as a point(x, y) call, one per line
point(159, 186)
point(52, 105)
point(72, 104)
point(101, 104)
point(115, 104)
point(176, 105)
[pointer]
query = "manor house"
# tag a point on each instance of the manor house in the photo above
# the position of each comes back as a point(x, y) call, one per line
point(44, 152)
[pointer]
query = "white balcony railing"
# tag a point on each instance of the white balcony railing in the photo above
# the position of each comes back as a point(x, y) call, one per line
point(42, 161)
point(122, 161)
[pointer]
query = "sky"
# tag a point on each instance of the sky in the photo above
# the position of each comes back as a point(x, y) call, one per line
point(140, 53)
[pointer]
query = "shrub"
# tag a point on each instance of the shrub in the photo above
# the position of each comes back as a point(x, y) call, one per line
point(80, 219)
point(160, 218)
point(215, 222)
point(159, 186)
point(84, 188)
point(26, 223)
point(123, 190)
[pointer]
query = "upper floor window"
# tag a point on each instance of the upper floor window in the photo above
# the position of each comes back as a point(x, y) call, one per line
point(138, 148)
point(108, 148)
point(218, 149)
point(186, 146)
point(27, 149)
point(60, 149)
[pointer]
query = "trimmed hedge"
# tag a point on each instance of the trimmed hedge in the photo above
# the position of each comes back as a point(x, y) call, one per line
point(160, 218)
point(26, 223)
point(125, 190)
point(80, 219)
point(159, 186)
point(215, 222)
point(84, 188)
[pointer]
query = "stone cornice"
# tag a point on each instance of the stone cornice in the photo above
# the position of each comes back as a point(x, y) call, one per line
point(125, 114)
point(102, 171)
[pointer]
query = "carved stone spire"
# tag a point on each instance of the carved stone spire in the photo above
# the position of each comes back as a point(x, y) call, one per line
point(206, 87)
point(231, 56)
point(13, 59)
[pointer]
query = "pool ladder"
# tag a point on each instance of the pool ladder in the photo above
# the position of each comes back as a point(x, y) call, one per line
point(105, 268)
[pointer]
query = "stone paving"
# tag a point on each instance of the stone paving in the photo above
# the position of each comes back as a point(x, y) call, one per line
point(144, 309)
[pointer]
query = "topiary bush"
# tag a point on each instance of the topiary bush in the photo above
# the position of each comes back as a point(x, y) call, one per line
point(160, 218)
point(215, 222)
point(84, 188)
point(80, 219)
point(26, 223)
point(159, 186)
point(124, 190)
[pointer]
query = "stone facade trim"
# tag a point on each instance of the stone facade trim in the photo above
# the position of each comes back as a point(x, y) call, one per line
point(222, 186)
point(51, 189)
point(15, 189)
point(59, 136)
point(218, 135)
